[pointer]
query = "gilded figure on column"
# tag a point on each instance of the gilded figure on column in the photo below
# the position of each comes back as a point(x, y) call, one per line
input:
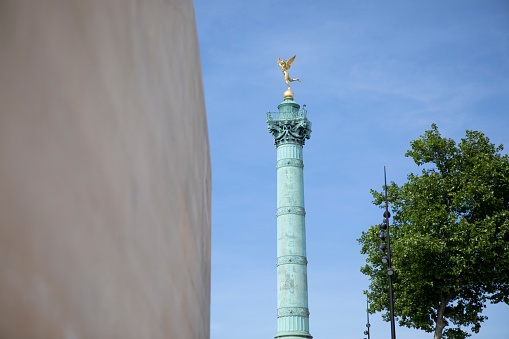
point(285, 65)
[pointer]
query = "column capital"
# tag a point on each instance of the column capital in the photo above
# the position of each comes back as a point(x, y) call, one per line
point(294, 131)
point(290, 125)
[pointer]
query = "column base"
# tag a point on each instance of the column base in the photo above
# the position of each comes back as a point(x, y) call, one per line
point(293, 335)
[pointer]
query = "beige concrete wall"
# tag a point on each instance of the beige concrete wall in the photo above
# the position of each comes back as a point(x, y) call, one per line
point(104, 171)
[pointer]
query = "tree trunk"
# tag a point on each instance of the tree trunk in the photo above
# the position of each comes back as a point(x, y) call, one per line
point(440, 324)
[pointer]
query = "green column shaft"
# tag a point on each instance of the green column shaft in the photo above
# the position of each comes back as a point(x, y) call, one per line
point(292, 291)
point(290, 128)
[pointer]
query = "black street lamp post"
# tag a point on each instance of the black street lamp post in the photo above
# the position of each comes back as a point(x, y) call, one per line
point(367, 332)
point(386, 259)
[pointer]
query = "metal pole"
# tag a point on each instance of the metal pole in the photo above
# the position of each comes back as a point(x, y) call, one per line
point(387, 215)
point(367, 314)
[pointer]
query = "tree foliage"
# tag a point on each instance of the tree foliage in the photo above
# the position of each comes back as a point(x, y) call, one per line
point(449, 236)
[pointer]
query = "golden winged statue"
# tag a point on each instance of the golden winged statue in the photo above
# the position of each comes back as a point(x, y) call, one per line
point(285, 65)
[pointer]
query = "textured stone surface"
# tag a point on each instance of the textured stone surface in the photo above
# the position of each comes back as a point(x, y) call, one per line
point(104, 171)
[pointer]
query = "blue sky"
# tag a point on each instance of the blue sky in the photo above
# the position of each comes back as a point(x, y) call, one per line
point(375, 75)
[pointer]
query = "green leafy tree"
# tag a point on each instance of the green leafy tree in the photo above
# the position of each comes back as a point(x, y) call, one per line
point(449, 236)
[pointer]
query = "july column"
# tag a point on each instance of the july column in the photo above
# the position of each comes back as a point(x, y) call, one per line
point(290, 128)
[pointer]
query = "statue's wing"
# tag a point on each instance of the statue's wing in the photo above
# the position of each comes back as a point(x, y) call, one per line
point(289, 62)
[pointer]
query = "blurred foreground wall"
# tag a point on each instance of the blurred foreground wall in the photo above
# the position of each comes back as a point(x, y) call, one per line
point(104, 171)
